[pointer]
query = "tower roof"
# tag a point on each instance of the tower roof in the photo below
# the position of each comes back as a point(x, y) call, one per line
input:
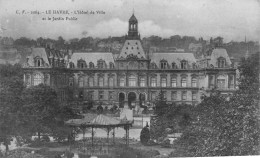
point(133, 18)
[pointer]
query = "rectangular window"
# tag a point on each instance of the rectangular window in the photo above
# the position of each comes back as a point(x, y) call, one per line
point(153, 82)
point(231, 81)
point(81, 82)
point(211, 82)
point(163, 82)
point(132, 81)
point(163, 65)
point(122, 82)
point(164, 94)
point(91, 82)
point(174, 95)
point(174, 82)
point(142, 82)
point(221, 83)
point(101, 95)
point(183, 82)
point(193, 82)
point(90, 95)
point(194, 96)
point(153, 95)
point(184, 96)
point(111, 82)
point(101, 81)
point(111, 95)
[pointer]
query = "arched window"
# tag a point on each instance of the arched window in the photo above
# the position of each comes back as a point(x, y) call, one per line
point(71, 80)
point(81, 82)
point(71, 65)
point(38, 62)
point(101, 81)
point(111, 82)
point(101, 64)
point(153, 82)
point(163, 64)
point(81, 64)
point(184, 64)
point(91, 65)
point(122, 82)
point(174, 82)
point(132, 81)
point(37, 79)
point(174, 66)
point(163, 82)
point(85, 81)
point(91, 82)
point(153, 66)
point(111, 65)
point(184, 95)
point(142, 82)
point(221, 62)
point(194, 66)
point(184, 82)
point(194, 82)
point(28, 80)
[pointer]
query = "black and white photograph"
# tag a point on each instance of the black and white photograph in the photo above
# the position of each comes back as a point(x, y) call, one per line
point(129, 78)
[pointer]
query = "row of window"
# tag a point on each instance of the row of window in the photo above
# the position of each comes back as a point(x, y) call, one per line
point(82, 64)
point(132, 82)
point(101, 64)
point(38, 62)
point(164, 65)
point(101, 96)
point(174, 96)
point(221, 82)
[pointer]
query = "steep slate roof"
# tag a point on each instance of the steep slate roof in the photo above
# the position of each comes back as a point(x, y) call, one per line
point(219, 52)
point(132, 47)
point(173, 57)
point(92, 57)
point(38, 52)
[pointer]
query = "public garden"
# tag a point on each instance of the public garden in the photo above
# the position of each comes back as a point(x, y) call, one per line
point(218, 126)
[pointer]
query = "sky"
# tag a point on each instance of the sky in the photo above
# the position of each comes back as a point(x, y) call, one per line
point(231, 19)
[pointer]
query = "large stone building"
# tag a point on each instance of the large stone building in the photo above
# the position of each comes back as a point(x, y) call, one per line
point(134, 77)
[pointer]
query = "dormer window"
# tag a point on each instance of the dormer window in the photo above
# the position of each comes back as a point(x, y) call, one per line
point(101, 64)
point(71, 65)
point(81, 64)
point(221, 62)
point(194, 66)
point(111, 66)
point(91, 65)
point(38, 62)
point(163, 64)
point(184, 64)
point(174, 66)
point(153, 66)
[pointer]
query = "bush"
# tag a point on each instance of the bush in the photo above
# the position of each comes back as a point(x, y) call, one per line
point(45, 138)
point(145, 135)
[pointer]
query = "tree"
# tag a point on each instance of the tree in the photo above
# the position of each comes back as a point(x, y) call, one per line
point(226, 127)
point(176, 117)
point(60, 131)
point(40, 108)
point(145, 135)
point(11, 86)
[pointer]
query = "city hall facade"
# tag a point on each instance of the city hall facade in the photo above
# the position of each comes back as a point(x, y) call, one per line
point(132, 77)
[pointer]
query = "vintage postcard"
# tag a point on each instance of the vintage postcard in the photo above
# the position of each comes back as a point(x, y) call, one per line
point(129, 78)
